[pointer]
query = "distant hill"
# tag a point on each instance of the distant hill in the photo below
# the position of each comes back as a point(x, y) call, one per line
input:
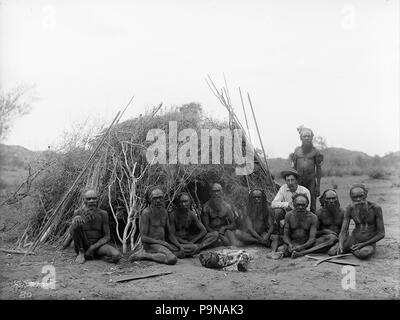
point(17, 156)
point(336, 160)
point(340, 161)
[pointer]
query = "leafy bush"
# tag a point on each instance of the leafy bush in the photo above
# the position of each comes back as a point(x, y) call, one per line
point(377, 173)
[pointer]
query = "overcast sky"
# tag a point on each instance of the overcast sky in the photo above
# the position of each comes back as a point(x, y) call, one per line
point(329, 65)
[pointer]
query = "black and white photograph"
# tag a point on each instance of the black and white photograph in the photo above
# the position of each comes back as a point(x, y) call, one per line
point(206, 151)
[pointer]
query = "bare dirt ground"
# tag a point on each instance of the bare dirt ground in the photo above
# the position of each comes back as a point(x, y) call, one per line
point(289, 278)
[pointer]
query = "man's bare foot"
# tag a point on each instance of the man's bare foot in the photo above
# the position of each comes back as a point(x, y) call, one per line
point(296, 254)
point(80, 258)
point(275, 255)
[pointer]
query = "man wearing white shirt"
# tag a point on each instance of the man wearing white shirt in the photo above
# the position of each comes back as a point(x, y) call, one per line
point(283, 199)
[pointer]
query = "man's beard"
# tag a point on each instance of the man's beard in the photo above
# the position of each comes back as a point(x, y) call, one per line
point(90, 214)
point(361, 210)
point(158, 210)
point(257, 209)
point(307, 146)
point(216, 204)
point(332, 207)
point(182, 210)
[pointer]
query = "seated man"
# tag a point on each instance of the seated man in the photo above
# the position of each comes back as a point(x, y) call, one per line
point(282, 202)
point(369, 226)
point(91, 232)
point(154, 228)
point(256, 220)
point(300, 227)
point(218, 217)
point(188, 229)
point(330, 219)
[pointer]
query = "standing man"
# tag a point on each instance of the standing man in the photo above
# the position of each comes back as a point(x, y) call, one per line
point(307, 161)
point(155, 230)
point(91, 232)
point(188, 229)
point(218, 216)
point(300, 228)
point(369, 226)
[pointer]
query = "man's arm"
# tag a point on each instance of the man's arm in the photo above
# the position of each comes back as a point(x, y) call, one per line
point(286, 230)
point(270, 224)
point(279, 200)
point(171, 236)
point(206, 220)
point(345, 228)
point(230, 219)
point(311, 238)
point(249, 225)
point(106, 233)
point(199, 226)
point(380, 229)
point(318, 161)
point(308, 194)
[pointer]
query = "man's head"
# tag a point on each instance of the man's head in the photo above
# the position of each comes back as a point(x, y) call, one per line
point(184, 201)
point(358, 194)
point(90, 199)
point(306, 136)
point(216, 191)
point(156, 197)
point(291, 176)
point(300, 202)
point(329, 199)
point(256, 195)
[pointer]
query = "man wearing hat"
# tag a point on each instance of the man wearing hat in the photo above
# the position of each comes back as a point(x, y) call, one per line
point(283, 202)
point(307, 161)
point(283, 199)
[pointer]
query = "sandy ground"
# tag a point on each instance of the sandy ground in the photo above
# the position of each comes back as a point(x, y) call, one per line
point(289, 278)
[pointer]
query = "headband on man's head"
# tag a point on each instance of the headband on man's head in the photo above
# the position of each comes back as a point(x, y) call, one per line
point(150, 191)
point(302, 130)
point(359, 185)
point(322, 197)
point(296, 195)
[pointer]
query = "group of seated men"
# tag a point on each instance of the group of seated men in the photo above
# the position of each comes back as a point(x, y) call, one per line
point(287, 225)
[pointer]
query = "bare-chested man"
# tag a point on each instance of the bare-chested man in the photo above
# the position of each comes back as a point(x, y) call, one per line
point(218, 216)
point(154, 230)
point(330, 219)
point(369, 226)
point(307, 161)
point(256, 221)
point(300, 227)
point(188, 229)
point(91, 232)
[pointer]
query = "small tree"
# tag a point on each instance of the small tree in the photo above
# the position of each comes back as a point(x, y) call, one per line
point(13, 104)
point(320, 143)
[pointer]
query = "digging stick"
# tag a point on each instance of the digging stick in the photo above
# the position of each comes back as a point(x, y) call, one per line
point(262, 145)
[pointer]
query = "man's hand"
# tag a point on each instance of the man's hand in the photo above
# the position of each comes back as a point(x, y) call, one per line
point(89, 252)
point(221, 230)
point(339, 249)
point(291, 247)
point(357, 246)
point(181, 253)
point(77, 221)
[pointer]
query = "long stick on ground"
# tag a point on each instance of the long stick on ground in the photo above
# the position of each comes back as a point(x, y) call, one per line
point(262, 145)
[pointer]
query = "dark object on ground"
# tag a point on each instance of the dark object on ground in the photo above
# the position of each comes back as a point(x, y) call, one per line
point(333, 260)
point(136, 277)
